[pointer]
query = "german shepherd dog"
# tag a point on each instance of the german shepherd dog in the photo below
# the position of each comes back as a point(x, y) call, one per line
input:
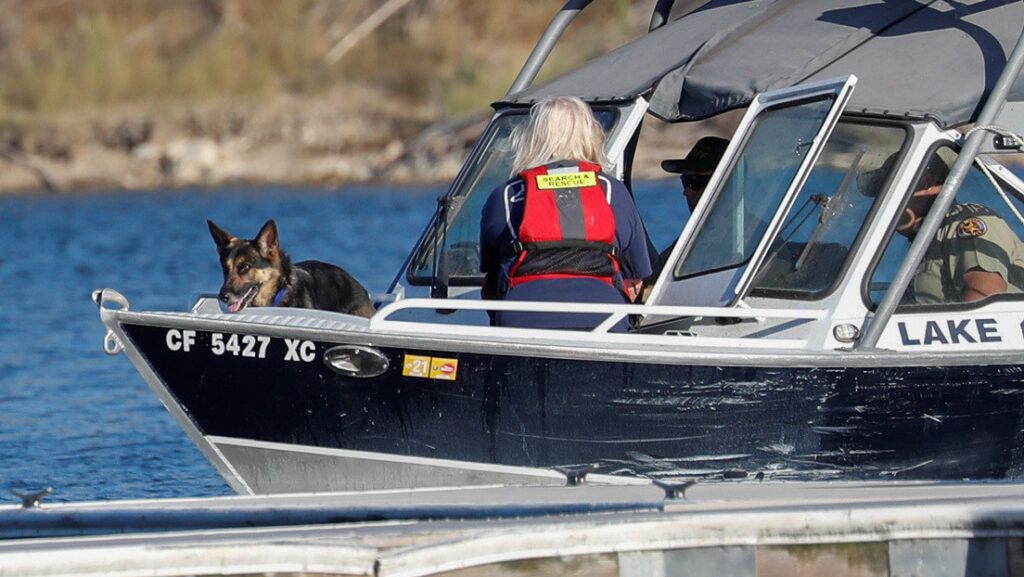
point(258, 273)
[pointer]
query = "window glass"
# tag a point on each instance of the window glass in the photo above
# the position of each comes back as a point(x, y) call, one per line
point(491, 167)
point(830, 212)
point(1012, 194)
point(754, 187)
point(979, 237)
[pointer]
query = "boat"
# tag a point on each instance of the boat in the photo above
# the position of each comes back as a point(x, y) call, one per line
point(776, 342)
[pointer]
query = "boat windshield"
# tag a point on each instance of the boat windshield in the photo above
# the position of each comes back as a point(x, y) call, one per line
point(807, 256)
point(490, 166)
point(754, 187)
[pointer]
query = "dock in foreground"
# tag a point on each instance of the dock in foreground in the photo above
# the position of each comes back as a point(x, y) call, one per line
point(724, 529)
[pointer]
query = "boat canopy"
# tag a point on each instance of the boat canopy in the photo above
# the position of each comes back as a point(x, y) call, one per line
point(915, 59)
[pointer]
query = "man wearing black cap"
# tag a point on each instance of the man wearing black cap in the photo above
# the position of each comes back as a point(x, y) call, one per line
point(695, 170)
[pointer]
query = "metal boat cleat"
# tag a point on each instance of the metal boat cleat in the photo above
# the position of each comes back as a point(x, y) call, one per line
point(32, 500)
point(576, 475)
point(674, 490)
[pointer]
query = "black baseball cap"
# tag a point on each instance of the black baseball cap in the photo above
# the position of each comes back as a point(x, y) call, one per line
point(702, 159)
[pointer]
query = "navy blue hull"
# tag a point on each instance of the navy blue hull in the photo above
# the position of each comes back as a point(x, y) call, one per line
point(853, 423)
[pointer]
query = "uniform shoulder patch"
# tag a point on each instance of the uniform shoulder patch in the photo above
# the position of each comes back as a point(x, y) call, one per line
point(971, 227)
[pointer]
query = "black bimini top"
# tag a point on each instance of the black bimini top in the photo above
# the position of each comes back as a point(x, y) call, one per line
point(916, 59)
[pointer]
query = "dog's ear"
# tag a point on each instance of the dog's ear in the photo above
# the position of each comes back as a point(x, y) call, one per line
point(220, 236)
point(266, 240)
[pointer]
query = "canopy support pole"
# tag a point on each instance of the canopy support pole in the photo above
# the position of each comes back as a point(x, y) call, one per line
point(554, 31)
point(930, 226)
point(546, 44)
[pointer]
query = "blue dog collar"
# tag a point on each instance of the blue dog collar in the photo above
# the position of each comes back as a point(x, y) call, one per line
point(278, 297)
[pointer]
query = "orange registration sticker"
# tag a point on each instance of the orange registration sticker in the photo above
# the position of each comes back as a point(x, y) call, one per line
point(425, 367)
point(444, 369)
point(416, 366)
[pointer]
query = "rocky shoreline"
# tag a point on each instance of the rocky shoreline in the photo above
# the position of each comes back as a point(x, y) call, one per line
point(141, 95)
point(291, 141)
point(335, 139)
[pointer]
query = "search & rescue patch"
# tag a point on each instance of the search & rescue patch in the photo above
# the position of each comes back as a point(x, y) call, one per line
point(566, 180)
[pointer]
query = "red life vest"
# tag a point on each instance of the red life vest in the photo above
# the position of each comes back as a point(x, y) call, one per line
point(568, 227)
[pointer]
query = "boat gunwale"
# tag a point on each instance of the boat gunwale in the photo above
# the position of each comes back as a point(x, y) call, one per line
point(571, 346)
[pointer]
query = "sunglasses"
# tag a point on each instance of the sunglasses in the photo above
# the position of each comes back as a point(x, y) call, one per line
point(695, 181)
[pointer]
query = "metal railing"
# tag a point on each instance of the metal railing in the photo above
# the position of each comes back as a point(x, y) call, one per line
point(602, 333)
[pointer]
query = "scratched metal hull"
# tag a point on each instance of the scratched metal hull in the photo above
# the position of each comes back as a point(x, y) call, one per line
point(632, 418)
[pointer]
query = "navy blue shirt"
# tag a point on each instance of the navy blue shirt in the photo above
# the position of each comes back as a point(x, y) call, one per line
point(495, 236)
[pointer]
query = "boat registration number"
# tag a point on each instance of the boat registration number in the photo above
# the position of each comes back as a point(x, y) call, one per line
point(246, 346)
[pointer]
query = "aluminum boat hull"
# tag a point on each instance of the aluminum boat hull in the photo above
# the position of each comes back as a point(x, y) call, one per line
point(272, 425)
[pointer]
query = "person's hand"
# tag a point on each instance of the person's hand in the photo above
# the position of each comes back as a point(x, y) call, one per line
point(489, 290)
point(632, 287)
point(918, 206)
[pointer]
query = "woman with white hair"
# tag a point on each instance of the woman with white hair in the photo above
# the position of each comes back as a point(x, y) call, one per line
point(561, 229)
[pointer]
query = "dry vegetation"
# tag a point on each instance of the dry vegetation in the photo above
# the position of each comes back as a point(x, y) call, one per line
point(140, 93)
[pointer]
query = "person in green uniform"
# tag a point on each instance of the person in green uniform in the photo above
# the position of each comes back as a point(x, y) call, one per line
point(975, 253)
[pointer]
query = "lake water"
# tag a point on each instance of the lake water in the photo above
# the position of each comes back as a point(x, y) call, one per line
point(87, 424)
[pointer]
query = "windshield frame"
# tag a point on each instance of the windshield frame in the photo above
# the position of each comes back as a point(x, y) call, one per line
point(671, 287)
